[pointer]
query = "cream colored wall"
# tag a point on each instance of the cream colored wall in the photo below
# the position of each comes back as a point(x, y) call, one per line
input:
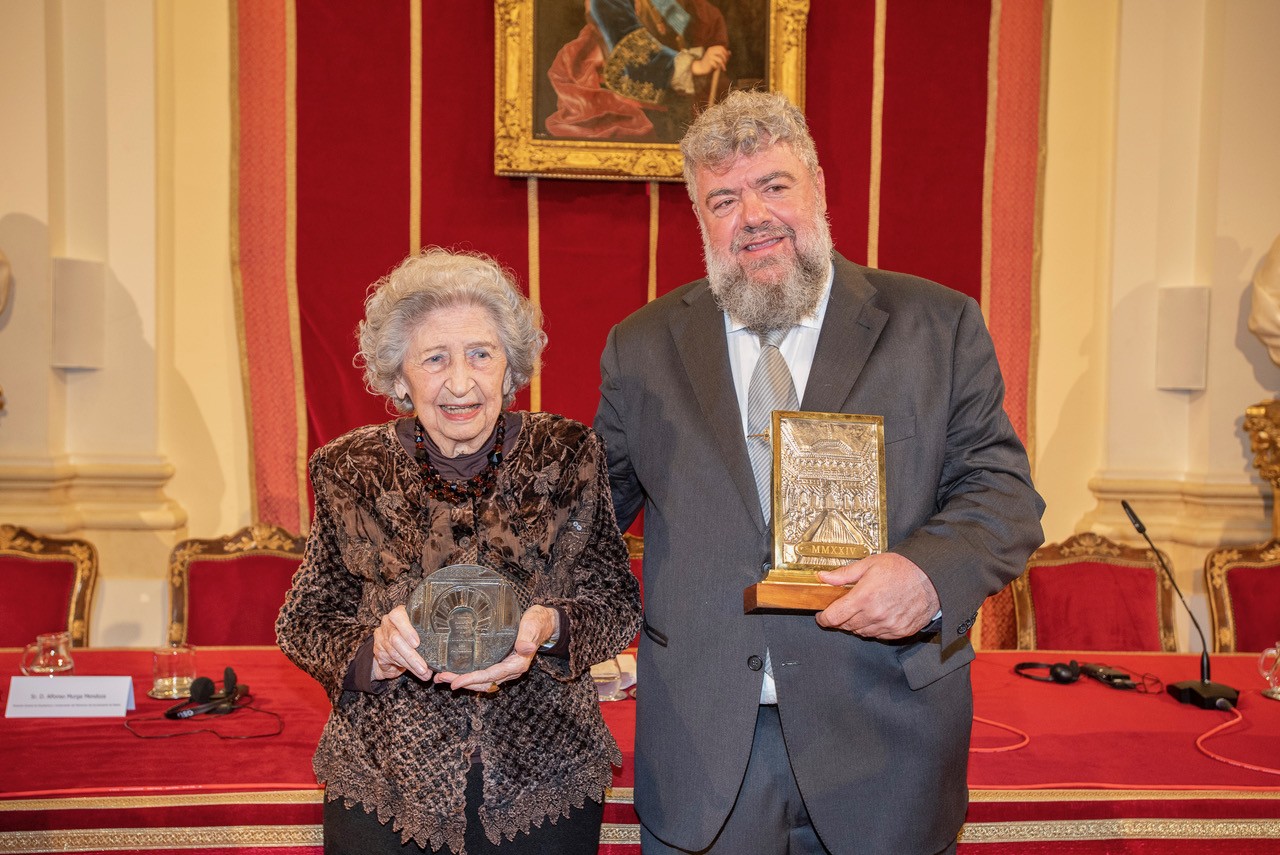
point(116, 157)
point(31, 424)
point(203, 424)
point(79, 441)
point(1161, 175)
point(1160, 172)
point(1071, 408)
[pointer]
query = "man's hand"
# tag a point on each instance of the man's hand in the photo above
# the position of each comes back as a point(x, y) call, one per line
point(893, 598)
point(715, 58)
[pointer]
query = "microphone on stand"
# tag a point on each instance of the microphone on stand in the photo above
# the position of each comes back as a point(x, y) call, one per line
point(1203, 692)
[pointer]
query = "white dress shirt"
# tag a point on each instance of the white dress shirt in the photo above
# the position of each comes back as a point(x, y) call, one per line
point(798, 349)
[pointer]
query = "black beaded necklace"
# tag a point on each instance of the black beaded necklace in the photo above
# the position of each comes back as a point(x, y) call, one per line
point(455, 492)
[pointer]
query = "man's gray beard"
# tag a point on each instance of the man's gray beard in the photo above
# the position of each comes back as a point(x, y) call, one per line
point(765, 306)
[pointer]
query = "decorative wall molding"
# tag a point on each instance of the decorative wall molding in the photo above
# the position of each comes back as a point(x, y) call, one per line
point(56, 495)
point(1197, 513)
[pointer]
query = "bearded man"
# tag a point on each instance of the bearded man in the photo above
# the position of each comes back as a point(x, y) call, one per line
point(847, 732)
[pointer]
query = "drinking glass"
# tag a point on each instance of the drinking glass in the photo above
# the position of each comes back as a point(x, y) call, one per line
point(1271, 671)
point(172, 670)
point(608, 679)
point(48, 656)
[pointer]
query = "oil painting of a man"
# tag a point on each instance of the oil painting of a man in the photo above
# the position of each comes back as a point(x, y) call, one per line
point(639, 70)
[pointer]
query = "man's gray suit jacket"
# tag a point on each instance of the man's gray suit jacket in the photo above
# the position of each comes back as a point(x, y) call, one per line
point(877, 731)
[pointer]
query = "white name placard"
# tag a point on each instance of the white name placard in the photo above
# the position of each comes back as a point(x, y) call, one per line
point(69, 697)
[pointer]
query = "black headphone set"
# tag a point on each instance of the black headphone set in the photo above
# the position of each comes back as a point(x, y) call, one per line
point(205, 700)
point(1069, 672)
point(1057, 672)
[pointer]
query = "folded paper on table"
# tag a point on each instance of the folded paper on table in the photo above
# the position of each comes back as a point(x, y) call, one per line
point(69, 697)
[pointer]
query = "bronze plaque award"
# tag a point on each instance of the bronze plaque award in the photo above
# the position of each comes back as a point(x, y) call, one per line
point(466, 617)
point(828, 506)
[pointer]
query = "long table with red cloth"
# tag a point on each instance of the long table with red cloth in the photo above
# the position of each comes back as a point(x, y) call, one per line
point(1101, 770)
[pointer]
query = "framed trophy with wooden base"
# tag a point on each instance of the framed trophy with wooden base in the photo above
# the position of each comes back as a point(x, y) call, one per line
point(828, 506)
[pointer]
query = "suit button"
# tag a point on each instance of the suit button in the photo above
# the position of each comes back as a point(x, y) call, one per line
point(755, 663)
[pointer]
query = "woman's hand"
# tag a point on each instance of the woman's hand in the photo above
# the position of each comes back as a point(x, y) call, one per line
point(395, 644)
point(537, 625)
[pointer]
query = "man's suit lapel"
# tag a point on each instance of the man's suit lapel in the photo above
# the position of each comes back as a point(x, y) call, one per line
point(700, 340)
point(850, 330)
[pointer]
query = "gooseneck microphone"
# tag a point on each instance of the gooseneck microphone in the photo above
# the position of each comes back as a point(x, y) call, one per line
point(1203, 693)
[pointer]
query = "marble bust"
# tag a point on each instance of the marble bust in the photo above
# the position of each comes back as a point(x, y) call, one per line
point(1264, 312)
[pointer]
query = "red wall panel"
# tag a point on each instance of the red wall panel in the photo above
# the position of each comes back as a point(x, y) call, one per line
point(464, 205)
point(838, 90)
point(355, 65)
point(935, 108)
point(352, 191)
point(594, 255)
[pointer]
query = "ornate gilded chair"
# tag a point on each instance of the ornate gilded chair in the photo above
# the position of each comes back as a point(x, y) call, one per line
point(229, 590)
point(1088, 593)
point(995, 628)
point(48, 586)
point(1243, 584)
point(635, 550)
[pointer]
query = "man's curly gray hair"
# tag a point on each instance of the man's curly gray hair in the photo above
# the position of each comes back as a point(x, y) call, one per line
point(744, 123)
point(439, 279)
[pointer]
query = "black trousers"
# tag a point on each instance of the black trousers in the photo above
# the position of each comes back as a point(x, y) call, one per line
point(769, 815)
point(355, 832)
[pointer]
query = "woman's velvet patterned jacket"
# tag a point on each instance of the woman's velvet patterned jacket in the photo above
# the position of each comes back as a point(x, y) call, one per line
point(548, 527)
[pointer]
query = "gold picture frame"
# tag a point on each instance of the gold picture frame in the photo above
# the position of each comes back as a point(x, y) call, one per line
point(533, 35)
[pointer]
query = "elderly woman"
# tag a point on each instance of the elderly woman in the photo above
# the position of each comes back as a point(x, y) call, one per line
point(514, 757)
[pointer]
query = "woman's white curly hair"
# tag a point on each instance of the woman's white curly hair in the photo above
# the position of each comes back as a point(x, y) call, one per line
point(436, 279)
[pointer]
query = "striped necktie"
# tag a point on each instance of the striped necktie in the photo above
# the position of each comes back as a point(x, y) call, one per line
point(771, 389)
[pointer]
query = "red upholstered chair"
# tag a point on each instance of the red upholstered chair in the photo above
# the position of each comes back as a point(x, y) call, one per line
point(1243, 583)
point(1088, 593)
point(229, 590)
point(48, 586)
